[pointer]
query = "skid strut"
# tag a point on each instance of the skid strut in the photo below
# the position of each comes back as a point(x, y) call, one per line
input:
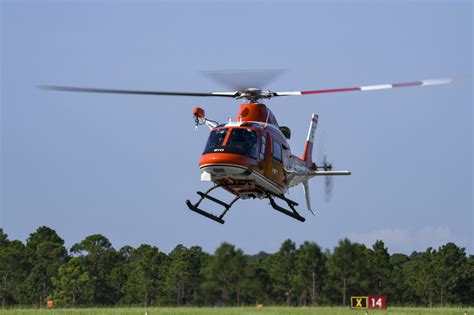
point(194, 207)
point(293, 213)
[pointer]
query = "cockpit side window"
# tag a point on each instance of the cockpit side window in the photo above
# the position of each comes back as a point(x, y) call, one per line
point(263, 147)
point(276, 151)
point(243, 141)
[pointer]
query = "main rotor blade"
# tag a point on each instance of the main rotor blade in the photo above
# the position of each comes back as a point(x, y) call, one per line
point(136, 92)
point(369, 87)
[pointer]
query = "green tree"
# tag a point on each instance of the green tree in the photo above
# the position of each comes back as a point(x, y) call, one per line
point(120, 272)
point(465, 290)
point(46, 254)
point(3, 239)
point(198, 259)
point(398, 287)
point(348, 269)
point(257, 285)
point(420, 276)
point(74, 285)
point(310, 272)
point(281, 267)
point(98, 257)
point(178, 275)
point(3, 263)
point(14, 268)
point(238, 264)
point(183, 275)
point(96, 274)
point(223, 274)
point(449, 265)
point(41, 235)
point(146, 274)
point(380, 267)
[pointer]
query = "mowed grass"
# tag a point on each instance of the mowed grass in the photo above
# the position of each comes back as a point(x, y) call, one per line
point(240, 310)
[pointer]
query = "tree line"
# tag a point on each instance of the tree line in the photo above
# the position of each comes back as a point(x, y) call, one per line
point(94, 273)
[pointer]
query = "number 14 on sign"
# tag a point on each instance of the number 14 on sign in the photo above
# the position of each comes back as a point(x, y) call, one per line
point(377, 302)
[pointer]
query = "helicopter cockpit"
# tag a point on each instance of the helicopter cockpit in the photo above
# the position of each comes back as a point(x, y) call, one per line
point(242, 141)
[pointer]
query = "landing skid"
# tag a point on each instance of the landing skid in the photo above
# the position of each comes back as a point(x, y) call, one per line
point(194, 207)
point(271, 196)
point(293, 213)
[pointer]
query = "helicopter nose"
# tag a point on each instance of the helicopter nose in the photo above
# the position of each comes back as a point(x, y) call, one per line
point(225, 159)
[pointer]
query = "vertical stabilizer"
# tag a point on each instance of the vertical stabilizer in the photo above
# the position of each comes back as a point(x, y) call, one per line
point(308, 150)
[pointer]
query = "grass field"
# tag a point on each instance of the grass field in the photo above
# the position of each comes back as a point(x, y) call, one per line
point(239, 310)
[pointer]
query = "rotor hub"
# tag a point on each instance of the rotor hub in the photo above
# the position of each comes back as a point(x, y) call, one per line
point(254, 94)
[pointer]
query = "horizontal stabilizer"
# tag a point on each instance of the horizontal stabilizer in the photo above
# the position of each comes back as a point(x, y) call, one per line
point(330, 173)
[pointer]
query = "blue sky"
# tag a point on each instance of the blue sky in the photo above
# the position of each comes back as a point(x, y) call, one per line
point(123, 165)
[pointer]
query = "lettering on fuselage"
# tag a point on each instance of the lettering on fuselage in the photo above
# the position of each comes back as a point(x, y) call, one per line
point(218, 150)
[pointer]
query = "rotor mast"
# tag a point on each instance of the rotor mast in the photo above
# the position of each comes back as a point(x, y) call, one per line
point(254, 94)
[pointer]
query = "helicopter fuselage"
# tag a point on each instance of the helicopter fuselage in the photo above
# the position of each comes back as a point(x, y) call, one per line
point(251, 157)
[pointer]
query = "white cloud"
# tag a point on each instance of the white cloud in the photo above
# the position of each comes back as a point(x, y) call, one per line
point(395, 236)
point(435, 235)
point(404, 240)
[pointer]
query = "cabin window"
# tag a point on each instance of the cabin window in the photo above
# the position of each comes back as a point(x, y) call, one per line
point(243, 141)
point(276, 151)
point(263, 146)
point(216, 139)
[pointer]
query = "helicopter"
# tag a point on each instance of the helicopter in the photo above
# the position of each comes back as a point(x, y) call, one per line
point(250, 157)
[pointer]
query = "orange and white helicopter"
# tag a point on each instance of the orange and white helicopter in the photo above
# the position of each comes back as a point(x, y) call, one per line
point(251, 157)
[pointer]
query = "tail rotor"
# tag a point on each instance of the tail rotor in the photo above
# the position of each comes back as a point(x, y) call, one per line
point(323, 164)
point(328, 181)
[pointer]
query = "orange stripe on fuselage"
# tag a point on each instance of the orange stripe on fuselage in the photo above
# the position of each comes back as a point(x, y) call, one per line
point(226, 158)
point(307, 153)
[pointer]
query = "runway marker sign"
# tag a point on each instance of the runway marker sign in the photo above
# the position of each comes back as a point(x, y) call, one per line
point(359, 301)
point(377, 302)
point(370, 302)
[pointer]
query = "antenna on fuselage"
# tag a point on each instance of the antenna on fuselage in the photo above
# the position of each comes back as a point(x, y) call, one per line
point(266, 120)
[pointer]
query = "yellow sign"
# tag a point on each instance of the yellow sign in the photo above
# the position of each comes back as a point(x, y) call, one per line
point(359, 301)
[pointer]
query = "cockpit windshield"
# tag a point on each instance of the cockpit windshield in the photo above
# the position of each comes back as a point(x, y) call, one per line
point(241, 141)
point(216, 139)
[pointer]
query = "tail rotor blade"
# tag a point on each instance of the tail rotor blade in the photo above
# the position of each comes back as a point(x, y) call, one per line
point(328, 188)
point(322, 162)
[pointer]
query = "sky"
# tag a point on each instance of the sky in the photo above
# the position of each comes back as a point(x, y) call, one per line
point(123, 166)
